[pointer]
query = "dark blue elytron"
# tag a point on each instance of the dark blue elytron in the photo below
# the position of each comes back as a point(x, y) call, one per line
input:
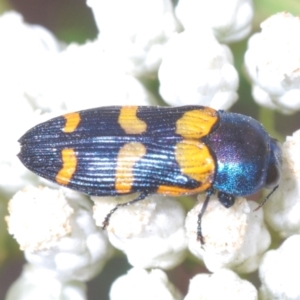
point(166, 150)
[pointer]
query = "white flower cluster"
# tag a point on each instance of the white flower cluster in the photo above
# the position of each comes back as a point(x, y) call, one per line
point(283, 212)
point(36, 221)
point(223, 284)
point(199, 70)
point(22, 47)
point(279, 268)
point(180, 47)
point(62, 245)
point(235, 238)
point(273, 63)
point(144, 231)
point(230, 20)
point(279, 271)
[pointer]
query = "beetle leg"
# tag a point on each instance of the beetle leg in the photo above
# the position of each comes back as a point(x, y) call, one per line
point(142, 196)
point(209, 192)
point(226, 200)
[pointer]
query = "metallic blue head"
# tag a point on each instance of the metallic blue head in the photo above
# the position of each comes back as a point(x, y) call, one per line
point(248, 159)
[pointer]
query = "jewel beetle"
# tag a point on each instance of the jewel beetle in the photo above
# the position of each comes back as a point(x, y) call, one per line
point(118, 150)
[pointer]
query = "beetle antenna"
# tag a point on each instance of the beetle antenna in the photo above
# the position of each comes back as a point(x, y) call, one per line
point(266, 198)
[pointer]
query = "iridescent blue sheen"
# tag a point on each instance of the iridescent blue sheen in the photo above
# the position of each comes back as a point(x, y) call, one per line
point(246, 155)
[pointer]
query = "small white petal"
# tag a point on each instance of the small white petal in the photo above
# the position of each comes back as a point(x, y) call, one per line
point(223, 284)
point(140, 284)
point(196, 69)
point(231, 21)
point(38, 283)
point(279, 271)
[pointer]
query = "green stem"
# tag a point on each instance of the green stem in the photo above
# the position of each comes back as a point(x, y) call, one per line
point(267, 118)
point(5, 6)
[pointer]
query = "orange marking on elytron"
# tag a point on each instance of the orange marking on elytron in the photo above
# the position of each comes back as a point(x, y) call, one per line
point(129, 121)
point(196, 123)
point(72, 122)
point(195, 161)
point(69, 160)
point(128, 155)
point(179, 191)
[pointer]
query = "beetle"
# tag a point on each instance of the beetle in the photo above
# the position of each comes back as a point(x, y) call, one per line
point(118, 150)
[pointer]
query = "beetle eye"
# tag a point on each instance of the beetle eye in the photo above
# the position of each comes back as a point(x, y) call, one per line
point(274, 168)
point(273, 176)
